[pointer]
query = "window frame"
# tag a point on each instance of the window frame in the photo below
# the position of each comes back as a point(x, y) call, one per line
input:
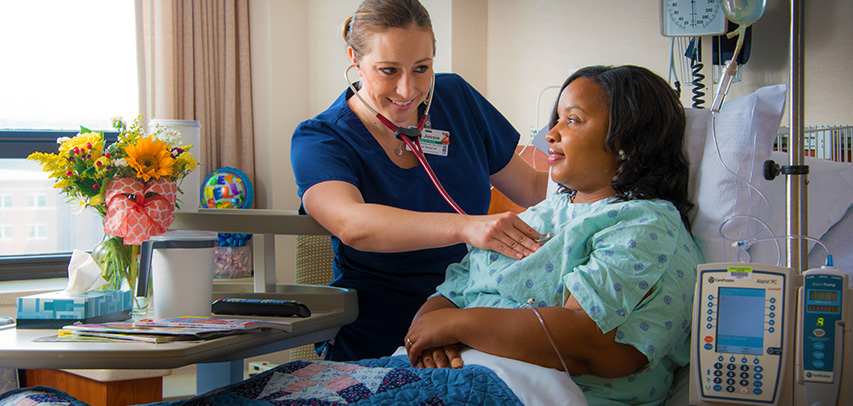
point(19, 144)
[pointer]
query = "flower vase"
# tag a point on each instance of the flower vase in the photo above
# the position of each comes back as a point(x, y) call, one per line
point(119, 263)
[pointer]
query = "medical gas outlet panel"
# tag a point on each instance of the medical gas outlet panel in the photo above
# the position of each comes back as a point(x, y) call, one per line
point(743, 318)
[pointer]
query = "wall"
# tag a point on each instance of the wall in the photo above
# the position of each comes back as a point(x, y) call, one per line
point(512, 51)
point(537, 43)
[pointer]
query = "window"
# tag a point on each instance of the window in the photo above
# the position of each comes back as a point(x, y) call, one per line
point(36, 200)
point(70, 64)
point(7, 232)
point(38, 232)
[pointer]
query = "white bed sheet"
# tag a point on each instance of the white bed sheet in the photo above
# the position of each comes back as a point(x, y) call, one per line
point(838, 239)
point(533, 384)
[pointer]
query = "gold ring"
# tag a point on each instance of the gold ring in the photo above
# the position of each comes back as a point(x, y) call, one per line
point(408, 340)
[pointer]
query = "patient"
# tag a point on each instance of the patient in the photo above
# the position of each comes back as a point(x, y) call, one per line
point(614, 285)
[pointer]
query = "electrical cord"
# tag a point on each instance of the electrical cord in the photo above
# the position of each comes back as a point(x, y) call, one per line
point(672, 72)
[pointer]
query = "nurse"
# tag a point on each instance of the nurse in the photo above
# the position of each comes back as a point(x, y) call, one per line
point(393, 233)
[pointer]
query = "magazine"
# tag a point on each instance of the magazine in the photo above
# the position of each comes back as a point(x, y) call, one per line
point(214, 323)
point(131, 328)
point(69, 335)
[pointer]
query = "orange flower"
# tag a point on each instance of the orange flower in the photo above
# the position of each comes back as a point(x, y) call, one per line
point(150, 157)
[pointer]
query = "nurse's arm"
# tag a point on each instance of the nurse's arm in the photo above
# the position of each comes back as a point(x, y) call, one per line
point(340, 208)
point(520, 182)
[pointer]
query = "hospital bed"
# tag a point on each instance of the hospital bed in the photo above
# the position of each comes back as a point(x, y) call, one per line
point(745, 133)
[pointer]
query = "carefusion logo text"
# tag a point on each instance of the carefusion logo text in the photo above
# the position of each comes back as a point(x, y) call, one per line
point(713, 279)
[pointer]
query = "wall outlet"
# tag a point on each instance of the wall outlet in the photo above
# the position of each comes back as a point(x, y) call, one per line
point(257, 367)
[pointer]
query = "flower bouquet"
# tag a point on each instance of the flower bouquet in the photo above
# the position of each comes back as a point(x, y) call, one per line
point(131, 183)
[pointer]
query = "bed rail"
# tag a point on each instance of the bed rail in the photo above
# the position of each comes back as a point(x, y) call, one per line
point(834, 143)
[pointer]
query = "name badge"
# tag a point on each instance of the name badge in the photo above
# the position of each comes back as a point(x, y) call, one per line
point(435, 142)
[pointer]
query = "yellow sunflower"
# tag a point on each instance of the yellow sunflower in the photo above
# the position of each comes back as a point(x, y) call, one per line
point(150, 157)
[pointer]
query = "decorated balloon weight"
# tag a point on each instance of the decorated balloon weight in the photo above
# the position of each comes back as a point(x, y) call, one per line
point(227, 188)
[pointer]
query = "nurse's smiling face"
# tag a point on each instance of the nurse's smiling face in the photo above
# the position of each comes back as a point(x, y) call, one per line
point(577, 152)
point(396, 72)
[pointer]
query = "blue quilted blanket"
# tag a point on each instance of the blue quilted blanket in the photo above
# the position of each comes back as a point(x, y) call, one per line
point(384, 381)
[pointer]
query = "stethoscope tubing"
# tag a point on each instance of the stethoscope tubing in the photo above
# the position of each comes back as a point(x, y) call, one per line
point(414, 144)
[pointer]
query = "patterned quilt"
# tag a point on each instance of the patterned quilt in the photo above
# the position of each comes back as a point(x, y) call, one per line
point(384, 381)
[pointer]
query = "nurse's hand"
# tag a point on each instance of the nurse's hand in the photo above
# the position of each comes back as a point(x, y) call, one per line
point(505, 233)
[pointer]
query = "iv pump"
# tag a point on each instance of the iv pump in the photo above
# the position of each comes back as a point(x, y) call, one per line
point(766, 335)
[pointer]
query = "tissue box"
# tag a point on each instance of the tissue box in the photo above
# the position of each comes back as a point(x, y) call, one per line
point(53, 310)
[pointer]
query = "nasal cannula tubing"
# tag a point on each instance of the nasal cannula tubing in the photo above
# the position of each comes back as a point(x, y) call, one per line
point(410, 136)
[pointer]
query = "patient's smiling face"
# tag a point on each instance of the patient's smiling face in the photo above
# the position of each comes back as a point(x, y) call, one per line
point(577, 153)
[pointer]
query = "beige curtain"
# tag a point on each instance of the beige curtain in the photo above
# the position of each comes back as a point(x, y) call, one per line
point(196, 67)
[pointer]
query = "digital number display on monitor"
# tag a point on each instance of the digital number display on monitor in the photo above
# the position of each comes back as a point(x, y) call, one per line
point(825, 296)
point(740, 321)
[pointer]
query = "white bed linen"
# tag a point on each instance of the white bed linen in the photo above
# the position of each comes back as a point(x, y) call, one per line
point(533, 384)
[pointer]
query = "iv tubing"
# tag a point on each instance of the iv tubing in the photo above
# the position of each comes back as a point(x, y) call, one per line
point(743, 244)
point(729, 72)
point(548, 334)
point(744, 180)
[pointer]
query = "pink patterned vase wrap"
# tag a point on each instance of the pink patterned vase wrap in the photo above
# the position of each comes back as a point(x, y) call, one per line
point(131, 216)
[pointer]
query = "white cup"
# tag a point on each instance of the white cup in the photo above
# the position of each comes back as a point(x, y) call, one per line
point(190, 135)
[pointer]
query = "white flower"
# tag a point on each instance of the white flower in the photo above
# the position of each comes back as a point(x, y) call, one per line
point(120, 162)
point(62, 140)
point(170, 137)
point(79, 208)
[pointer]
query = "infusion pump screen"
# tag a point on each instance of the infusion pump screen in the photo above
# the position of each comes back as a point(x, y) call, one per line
point(740, 321)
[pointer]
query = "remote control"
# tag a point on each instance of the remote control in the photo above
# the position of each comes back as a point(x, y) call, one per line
point(260, 307)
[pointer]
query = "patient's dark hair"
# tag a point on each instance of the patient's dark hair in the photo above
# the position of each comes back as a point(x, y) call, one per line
point(647, 124)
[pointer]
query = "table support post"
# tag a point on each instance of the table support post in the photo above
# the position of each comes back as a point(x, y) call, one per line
point(215, 375)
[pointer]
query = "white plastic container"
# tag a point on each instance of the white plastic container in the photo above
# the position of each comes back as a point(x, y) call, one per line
point(190, 135)
point(182, 268)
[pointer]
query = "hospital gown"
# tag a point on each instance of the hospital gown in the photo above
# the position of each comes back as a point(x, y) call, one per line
point(608, 255)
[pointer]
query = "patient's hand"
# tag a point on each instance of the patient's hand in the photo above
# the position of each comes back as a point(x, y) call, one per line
point(431, 342)
point(443, 357)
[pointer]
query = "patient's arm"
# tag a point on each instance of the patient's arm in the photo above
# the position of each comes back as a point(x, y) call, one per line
point(517, 334)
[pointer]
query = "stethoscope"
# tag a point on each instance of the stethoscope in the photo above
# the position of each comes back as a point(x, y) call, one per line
point(410, 136)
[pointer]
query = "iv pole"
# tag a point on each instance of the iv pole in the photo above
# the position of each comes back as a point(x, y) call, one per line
point(796, 184)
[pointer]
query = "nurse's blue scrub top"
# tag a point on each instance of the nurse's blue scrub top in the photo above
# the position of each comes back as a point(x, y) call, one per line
point(336, 146)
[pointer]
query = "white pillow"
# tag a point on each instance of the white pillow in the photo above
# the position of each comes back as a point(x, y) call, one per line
point(745, 129)
point(695, 133)
point(830, 192)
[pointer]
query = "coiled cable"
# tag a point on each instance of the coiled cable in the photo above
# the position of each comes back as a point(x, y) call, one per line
point(696, 65)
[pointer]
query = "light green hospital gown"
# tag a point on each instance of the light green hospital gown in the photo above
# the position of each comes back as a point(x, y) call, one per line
point(608, 255)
